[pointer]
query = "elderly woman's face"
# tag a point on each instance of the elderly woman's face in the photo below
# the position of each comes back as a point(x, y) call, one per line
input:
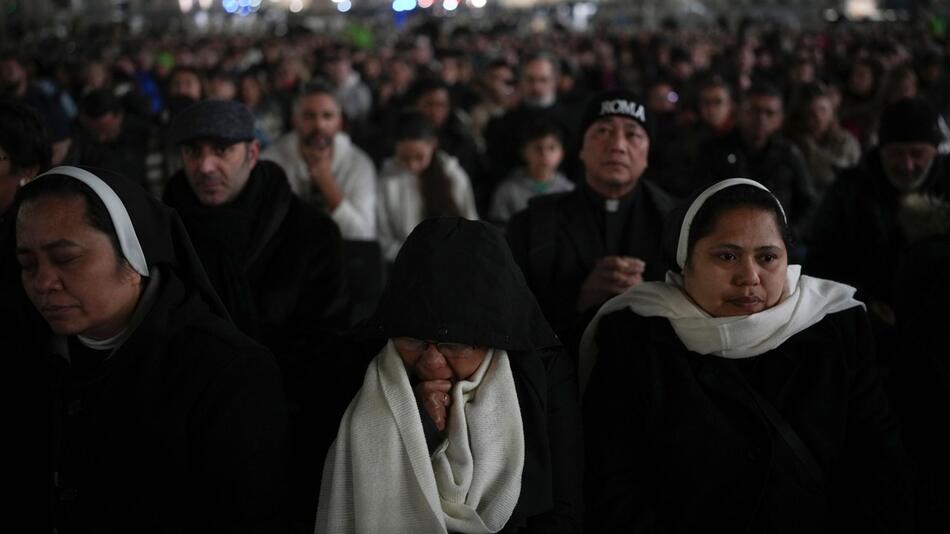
point(70, 270)
point(740, 268)
point(430, 360)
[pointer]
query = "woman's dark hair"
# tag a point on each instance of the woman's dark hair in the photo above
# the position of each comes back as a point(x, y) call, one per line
point(67, 187)
point(739, 196)
point(434, 184)
point(24, 137)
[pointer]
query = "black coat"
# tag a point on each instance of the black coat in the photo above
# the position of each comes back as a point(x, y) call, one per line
point(856, 237)
point(292, 267)
point(455, 280)
point(779, 166)
point(675, 442)
point(557, 239)
point(288, 294)
point(183, 429)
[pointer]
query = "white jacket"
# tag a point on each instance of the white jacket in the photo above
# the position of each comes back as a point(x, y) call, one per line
point(354, 172)
point(400, 208)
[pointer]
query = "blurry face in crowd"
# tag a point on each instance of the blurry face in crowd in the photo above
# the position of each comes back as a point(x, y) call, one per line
point(217, 172)
point(451, 70)
point(70, 270)
point(317, 118)
point(760, 117)
point(906, 87)
point(338, 70)
point(415, 155)
point(185, 84)
point(542, 156)
point(819, 115)
point(615, 154)
point(250, 92)
point(95, 76)
point(222, 89)
point(740, 268)
point(12, 78)
point(9, 181)
point(715, 106)
point(906, 165)
point(435, 106)
point(861, 80)
point(662, 99)
point(401, 74)
point(500, 82)
point(104, 129)
point(538, 83)
point(430, 360)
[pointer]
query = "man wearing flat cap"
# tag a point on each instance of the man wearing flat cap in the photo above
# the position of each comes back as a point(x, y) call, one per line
point(580, 248)
point(275, 261)
point(873, 212)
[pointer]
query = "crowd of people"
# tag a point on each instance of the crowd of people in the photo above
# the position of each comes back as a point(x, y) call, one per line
point(480, 282)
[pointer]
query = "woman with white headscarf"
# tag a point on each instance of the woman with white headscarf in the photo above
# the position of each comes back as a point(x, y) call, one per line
point(162, 416)
point(738, 394)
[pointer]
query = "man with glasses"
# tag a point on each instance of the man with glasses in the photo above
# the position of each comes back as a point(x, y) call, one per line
point(757, 149)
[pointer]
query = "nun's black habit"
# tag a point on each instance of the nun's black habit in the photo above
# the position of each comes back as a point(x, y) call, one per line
point(182, 427)
point(677, 440)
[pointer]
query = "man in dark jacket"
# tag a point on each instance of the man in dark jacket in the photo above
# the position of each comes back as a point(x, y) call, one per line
point(873, 212)
point(579, 249)
point(757, 150)
point(275, 262)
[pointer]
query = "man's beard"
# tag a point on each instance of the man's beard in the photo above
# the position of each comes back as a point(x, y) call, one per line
point(909, 186)
point(317, 140)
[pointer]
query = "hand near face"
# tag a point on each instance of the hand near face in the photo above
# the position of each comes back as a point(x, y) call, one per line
point(318, 156)
point(434, 397)
point(611, 276)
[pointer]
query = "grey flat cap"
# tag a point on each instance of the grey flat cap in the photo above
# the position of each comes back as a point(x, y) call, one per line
point(219, 120)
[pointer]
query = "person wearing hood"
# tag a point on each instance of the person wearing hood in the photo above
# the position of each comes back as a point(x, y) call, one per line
point(466, 420)
point(873, 212)
point(276, 262)
point(748, 390)
point(161, 415)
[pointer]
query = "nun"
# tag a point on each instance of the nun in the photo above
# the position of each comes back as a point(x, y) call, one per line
point(467, 419)
point(738, 394)
point(162, 416)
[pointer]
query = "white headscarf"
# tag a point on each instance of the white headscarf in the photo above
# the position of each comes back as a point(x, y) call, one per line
point(807, 301)
point(128, 239)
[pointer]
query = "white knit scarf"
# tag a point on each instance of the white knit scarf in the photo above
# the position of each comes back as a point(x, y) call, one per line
point(806, 301)
point(379, 476)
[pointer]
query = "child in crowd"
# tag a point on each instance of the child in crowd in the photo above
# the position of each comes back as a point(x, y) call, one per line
point(542, 150)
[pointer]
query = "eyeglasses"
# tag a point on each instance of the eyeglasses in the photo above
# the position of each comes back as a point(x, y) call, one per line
point(449, 350)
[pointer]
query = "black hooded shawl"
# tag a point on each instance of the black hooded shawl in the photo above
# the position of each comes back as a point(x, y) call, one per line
point(183, 427)
point(455, 280)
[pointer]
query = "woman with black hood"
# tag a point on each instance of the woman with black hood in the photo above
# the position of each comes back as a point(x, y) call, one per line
point(163, 417)
point(747, 392)
point(467, 420)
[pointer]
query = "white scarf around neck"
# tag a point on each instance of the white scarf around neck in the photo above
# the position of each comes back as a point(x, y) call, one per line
point(379, 475)
point(808, 301)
